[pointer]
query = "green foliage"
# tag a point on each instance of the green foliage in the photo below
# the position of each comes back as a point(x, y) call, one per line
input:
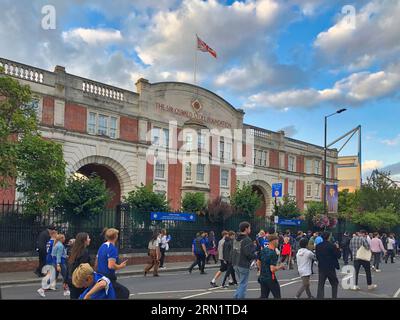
point(288, 208)
point(17, 119)
point(83, 198)
point(245, 201)
point(193, 202)
point(314, 208)
point(347, 204)
point(383, 219)
point(144, 200)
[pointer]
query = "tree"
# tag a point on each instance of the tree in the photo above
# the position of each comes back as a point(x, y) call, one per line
point(144, 200)
point(347, 204)
point(314, 208)
point(245, 201)
point(288, 208)
point(193, 202)
point(83, 198)
point(41, 167)
point(384, 219)
point(17, 120)
point(218, 210)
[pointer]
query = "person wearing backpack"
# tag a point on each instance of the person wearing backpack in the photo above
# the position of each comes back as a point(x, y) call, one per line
point(243, 253)
point(345, 246)
point(227, 256)
point(199, 250)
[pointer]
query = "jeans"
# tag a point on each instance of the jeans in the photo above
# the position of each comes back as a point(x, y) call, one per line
point(377, 259)
point(305, 286)
point(200, 261)
point(333, 280)
point(367, 267)
point(390, 253)
point(346, 254)
point(162, 251)
point(243, 277)
point(270, 286)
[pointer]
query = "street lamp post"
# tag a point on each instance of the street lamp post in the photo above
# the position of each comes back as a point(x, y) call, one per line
point(325, 152)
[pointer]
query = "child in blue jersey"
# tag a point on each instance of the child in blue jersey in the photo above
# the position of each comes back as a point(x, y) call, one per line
point(97, 286)
point(59, 254)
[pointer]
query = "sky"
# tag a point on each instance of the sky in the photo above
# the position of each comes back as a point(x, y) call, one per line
point(286, 63)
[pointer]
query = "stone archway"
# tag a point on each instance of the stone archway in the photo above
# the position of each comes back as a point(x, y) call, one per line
point(116, 176)
point(264, 190)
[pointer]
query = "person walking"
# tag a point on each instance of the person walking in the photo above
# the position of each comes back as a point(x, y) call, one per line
point(327, 255)
point(212, 248)
point(305, 259)
point(286, 253)
point(361, 254)
point(227, 256)
point(41, 243)
point(377, 250)
point(79, 254)
point(164, 246)
point(390, 248)
point(224, 266)
point(199, 250)
point(243, 253)
point(59, 254)
point(154, 254)
point(107, 262)
point(267, 264)
point(49, 262)
point(345, 246)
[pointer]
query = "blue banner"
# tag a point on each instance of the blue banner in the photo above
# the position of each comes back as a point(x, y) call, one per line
point(289, 222)
point(276, 190)
point(173, 216)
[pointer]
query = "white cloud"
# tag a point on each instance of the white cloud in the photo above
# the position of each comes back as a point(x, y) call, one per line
point(92, 36)
point(370, 165)
point(376, 37)
point(392, 142)
point(354, 89)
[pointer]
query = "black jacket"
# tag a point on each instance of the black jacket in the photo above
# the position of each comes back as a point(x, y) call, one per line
point(227, 250)
point(243, 251)
point(84, 258)
point(42, 240)
point(345, 242)
point(327, 255)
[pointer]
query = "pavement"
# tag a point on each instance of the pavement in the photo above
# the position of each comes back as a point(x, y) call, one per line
point(176, 283)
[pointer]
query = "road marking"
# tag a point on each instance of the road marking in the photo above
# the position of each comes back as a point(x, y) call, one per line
point(197, 295)
point(396, 295)
point(165, 292)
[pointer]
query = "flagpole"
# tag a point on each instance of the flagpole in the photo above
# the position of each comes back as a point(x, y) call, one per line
point(195, 61)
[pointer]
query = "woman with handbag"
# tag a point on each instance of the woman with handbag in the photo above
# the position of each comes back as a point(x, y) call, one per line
point(154, 255)
point(362, 257)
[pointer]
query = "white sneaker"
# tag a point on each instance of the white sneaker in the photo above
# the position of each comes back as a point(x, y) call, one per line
point(355, 288)
point(373, 268)
point(372, 286)
point(67, 293)
point(378, 270)
point(41, 293)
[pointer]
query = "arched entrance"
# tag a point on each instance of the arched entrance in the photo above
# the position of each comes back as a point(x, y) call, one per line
point(264, 190)
point(108, 176)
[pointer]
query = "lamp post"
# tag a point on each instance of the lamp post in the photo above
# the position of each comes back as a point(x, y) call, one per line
point(326, 127)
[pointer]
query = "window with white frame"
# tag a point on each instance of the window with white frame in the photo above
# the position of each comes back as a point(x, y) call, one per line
point(228, 150)
point(160, 169)
point(166, 137)
point(308, 166)
point(317, 165)
point(188, 171)
point(317, 190)
point(281, 160)
point(328, 170)
point(189, 142)
point(291, 188)
point(309, 190)
point(224, 177)
point(102, 124)
point(221, 148)
point(200, 172)
point(201, 141)
point(292, 161)
point(260, 157)
point(160, 137)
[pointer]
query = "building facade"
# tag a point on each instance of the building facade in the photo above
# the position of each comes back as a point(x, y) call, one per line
point(177, 136)
point(349, 173)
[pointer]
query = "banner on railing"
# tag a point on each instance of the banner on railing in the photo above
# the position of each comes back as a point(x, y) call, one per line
point(173, 216)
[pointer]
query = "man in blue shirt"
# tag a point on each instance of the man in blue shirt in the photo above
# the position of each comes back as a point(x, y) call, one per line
point(318, 239)
point(97, 286)
point(199, 250)
point(107, 262)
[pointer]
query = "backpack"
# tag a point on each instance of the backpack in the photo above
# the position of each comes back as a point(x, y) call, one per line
point(197, 246)
point(236, 249)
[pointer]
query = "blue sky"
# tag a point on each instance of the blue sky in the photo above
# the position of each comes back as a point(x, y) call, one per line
point(286, 63)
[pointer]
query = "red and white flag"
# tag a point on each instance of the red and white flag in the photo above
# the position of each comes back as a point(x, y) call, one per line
point(202, 46)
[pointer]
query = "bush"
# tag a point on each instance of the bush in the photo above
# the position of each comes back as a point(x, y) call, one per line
point(384, 219)
point(245, 201)
point(288, 209)
point(194, 202)
point(218, 210)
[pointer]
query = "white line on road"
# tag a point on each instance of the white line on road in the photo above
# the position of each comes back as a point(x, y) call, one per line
point(396, 295)
point(165, 292)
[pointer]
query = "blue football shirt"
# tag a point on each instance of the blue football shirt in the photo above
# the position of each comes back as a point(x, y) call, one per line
point(107, 293)
point(106, 251)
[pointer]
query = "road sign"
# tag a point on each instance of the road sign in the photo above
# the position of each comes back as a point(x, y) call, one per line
point(277, 190)
point(276, 219)
point(173, 216)
point(289, 222)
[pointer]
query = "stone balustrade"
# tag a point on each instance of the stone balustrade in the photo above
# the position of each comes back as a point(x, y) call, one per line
point(22, 71)
point(102, 90)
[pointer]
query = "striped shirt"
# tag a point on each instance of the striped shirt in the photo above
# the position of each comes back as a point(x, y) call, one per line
point(356, 243)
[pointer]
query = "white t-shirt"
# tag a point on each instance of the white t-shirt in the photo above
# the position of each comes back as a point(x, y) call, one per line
point(304, 262)
point(390, 244)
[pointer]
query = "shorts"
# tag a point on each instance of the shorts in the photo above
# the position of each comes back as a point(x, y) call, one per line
point(224, 266)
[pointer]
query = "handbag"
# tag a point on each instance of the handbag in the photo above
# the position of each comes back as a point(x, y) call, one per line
point(363, 254)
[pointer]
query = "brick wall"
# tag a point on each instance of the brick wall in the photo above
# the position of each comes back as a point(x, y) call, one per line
point(128, 128)
point(286, 187)
point(233, 181)
point(274, 159)
point(149, 172)
point(214, 181)
point(300, 164)
point(300, 194)
point(75, 118)
point(48, 111)
point(8, 195)
point(174, 185)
